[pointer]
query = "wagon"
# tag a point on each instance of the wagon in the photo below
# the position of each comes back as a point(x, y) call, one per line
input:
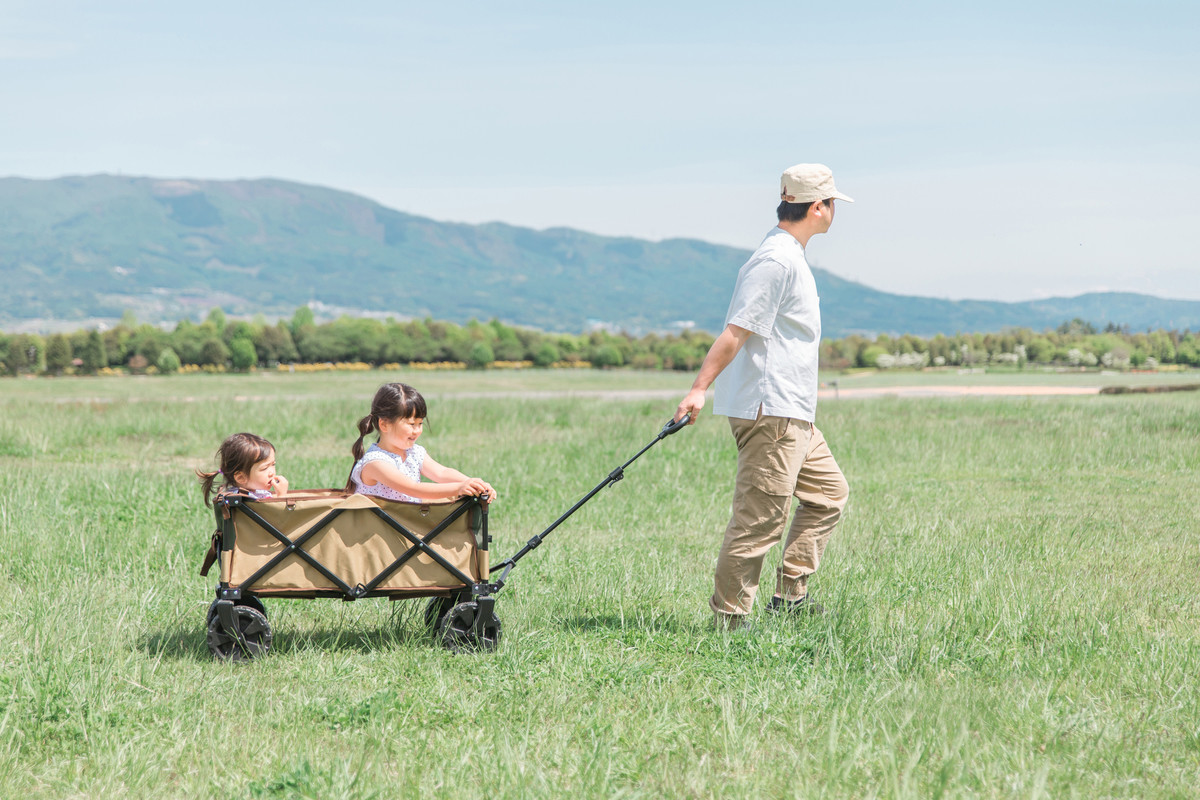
point(327, 543)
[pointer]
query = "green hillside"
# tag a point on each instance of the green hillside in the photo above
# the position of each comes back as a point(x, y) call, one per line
point(92, 247)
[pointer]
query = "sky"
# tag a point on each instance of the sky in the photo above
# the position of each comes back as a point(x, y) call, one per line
point(996, 151)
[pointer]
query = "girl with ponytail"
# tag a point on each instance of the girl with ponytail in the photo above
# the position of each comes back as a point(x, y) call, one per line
point(393, 466)
point(247, 463)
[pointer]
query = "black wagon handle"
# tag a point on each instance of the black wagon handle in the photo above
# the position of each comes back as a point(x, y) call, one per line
point(617, 474)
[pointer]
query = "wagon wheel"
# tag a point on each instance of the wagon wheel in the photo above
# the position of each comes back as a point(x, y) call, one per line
point(457, 630)
point(248, 600)
point(255, 633)
point(436, 609)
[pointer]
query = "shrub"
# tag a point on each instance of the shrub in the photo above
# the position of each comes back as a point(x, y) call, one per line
point(546, 355)
point(480, 355)
point(869, 357)
point(243, 354)
point(607, 356)
point(168, 362)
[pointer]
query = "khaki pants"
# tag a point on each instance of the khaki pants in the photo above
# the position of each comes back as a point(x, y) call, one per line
point(778, 459)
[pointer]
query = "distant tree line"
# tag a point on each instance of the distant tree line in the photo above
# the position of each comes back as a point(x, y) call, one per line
point(220, 344)
point(1073, 344)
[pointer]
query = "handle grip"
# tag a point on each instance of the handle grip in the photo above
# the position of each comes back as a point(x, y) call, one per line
point(672, 426)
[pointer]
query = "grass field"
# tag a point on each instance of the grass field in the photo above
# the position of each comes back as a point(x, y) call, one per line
point(1013, 595)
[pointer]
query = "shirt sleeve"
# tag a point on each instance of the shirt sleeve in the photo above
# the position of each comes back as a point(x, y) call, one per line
point(756, 297)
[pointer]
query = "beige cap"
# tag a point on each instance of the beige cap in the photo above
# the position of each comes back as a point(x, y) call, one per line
point(808, 183)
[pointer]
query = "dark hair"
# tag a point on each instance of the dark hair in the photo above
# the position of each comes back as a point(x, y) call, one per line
point(238, 453)
point(392, 401)
point(794, 212)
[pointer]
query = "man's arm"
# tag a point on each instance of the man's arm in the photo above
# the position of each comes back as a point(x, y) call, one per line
point(719, 355)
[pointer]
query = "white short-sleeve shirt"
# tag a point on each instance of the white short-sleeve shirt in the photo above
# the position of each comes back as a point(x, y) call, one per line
point(409, 464)
point(775, 298)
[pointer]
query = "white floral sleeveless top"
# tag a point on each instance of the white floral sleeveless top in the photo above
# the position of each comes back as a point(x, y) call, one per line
point(410, 465)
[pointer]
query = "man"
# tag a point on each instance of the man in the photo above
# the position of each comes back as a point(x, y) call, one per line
point(764, 364)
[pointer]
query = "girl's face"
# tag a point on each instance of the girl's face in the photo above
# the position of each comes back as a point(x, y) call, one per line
point(400, 434)
point(260, 477)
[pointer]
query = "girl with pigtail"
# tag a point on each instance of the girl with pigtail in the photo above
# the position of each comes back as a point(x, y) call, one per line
point(247, 463)
point(393, 466)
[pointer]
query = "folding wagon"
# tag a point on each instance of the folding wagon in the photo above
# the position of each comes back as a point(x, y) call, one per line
point(326, 543)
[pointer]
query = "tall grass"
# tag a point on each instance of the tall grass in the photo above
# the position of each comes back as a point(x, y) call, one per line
point(1013, 597)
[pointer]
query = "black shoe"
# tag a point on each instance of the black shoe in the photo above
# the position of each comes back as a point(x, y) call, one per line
point(805, 605)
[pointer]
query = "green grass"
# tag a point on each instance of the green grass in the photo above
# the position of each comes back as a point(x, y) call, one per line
point(1013, 593)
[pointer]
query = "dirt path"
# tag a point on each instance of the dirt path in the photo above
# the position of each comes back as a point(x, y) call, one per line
point(830, 393)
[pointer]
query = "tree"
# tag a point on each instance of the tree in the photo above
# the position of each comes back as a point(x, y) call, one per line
point(274, 344)
point(546, 355)
point(682, 356)
point(1039, 350)
point(168, 362)
point(480, 355)
point(508, 346)
point(187, 341)
point(17, 359)
point(116, 345)
point(239, 329)
point(303, 318)
point(870, 355)
point(217, 318)
point(607, 355)
point(58, 354)
point(243, 354)
point(148, 342)
point(93, 356)
point(1077, 327)
point(213, 353)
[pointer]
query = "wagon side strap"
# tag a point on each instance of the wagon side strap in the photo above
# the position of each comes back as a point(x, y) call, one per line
point(419, 545)
point(291, 547)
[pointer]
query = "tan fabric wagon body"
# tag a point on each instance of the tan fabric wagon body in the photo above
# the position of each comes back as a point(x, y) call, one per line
point(326, 543)
point(355, 538)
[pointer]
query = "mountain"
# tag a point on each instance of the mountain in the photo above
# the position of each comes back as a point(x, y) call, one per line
point(81, 248)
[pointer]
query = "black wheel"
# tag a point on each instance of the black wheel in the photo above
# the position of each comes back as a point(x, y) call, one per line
point(248, 600)
point(255, 633)
point(437, 608)
point(457, 630)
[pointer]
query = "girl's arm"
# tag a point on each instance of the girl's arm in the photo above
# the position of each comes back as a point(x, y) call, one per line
point(440, 473)
point(383, 472)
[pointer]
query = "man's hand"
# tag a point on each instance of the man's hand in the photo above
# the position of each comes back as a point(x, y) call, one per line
point(691, 405)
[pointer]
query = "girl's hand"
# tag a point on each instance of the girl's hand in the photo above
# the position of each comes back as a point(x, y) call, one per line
point(473, 487)
point(279, 486)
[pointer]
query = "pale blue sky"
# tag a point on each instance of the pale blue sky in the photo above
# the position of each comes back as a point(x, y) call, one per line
point(1002, 151)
